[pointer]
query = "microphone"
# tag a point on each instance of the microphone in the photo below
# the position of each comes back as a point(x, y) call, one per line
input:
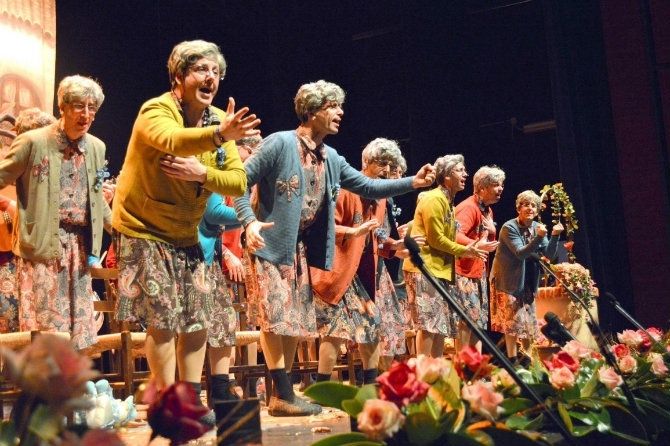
point(555, 330)
point(454, 305)
point(609, 297)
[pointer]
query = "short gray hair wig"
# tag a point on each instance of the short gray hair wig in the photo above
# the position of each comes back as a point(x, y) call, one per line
point(185, 54)
point(311, 97)
point(444, 165)
point(528, 196)
point(32, 118)
point(381, 149)
point(486, 176)
point(78, 88)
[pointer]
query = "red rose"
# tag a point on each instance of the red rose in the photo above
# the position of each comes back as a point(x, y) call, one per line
point(620, 350)
point(569, 245)
point(470, 363)
point(562, 359)
point(401, 386)
point(175, 414)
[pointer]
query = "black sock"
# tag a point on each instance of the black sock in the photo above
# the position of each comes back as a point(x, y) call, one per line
point(220, 385)
point(321, 377)
point(251, 383)
point(284, 389)
point(369, 376)
point(197, 387)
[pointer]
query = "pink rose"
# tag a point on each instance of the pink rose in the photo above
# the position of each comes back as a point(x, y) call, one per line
point(620, 350)
point(658, 366)
point(429, 369)
point(562, 359)
point(501, 379)
point(577, 350)
point(483, 399)
point(379, 419)
point(470, 363)
point(562, 378)
point(50, 368)
point(655, 333)
point(609, 377)
point(630, 337)
point(627, 364)
point(401, 386)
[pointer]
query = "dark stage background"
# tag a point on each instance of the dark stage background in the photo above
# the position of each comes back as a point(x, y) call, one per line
point(440, 77)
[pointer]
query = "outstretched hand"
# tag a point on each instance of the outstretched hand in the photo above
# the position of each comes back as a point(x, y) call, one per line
point(253, 234)
point(237, 124)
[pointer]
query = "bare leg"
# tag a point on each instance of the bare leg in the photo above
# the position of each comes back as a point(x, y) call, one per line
point(510, 345)
point(464, 337)
point(328, 351)
point(160, 348)
point(191, 349)
point(424, 342)
point(437, 351)
point(385, 363)
point(273, 350)
point(369, 355)
point(220, 359)
point(289, 345)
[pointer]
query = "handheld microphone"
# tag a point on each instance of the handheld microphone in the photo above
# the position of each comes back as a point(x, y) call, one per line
point(555, 330)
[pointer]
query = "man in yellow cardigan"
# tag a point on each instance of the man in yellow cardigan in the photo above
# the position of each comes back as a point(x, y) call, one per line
point(181, 150)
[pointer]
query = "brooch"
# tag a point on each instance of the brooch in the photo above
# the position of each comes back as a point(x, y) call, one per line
point(220, 157)
point(288, 187)
point(100, 176)
point(41, 170)
point(335, 191)
point(382, 235)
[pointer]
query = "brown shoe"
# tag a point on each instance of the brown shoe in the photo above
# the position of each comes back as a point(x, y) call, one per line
point(298, 408)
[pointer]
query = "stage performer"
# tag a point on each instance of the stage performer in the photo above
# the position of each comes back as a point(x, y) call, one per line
point(515, 277)
point(298, 179)
point(181, 150)
point(345, 310)
point(434, 219)
point(61, 214)
point(475, 223)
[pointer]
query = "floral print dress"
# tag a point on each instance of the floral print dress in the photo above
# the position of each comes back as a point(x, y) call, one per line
point(56, 295)
point(284, 301)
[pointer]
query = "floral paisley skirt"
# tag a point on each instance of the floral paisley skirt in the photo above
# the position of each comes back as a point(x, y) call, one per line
point(284, 303)
point(395, 318)
point(432, 312)
point(512, 315)
point(355, 317)
point(9, 303)
point(223, 319)
point(56, 295)
point(162, 286)
point(473, 296)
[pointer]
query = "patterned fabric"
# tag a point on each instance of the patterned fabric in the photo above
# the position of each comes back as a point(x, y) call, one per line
point(355, 317)
point(394, 313)
point(162, 286)
point(473, 296)
point(221, 332)
point(314, 172)
point(431, 311)
point(512, 315)
point(56, 295)
point(284, 303)
point(9, 304)
point(73, 208)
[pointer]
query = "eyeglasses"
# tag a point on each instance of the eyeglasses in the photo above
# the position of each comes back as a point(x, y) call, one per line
point(203, 70)
point(79, 108)
point(381, 163)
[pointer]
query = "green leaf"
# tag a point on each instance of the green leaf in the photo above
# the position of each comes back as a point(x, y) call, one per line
point(589, 386)
point(630, 438)
point(7, 434)
point(656, 419)
point(421, 428)
point(570, 394)
point(565, 416)
point(580, 431)
point(331, 393)
point(352, 407)
point(45, 423)
point(513, 405)
point(367, 392)
point(345, 439)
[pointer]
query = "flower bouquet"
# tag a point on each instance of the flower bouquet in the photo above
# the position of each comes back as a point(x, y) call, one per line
point(52, 377)
point(577, 279)
point(425, 401)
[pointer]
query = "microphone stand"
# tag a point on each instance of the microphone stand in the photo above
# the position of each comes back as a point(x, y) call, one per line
point(595, 330)
point(413, 249)
point(617, 306)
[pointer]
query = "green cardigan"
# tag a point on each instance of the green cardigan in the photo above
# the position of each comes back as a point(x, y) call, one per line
point(434, 219)
point(149, 204)
point(34, 162)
